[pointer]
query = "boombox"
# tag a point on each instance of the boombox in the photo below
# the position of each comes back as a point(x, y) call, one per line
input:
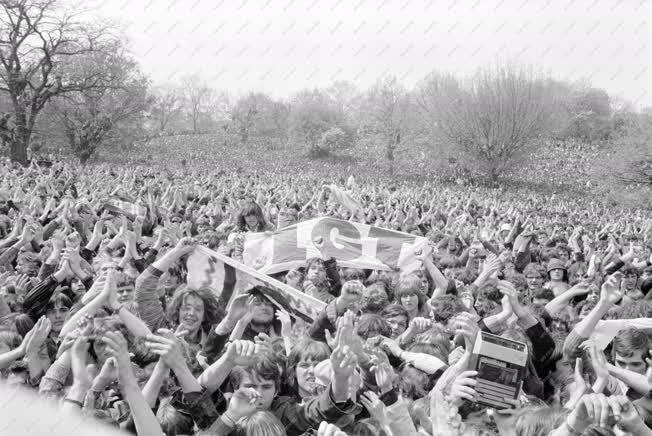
point(500, 364)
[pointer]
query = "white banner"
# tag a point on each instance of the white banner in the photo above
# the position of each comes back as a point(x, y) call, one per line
point(351, 244)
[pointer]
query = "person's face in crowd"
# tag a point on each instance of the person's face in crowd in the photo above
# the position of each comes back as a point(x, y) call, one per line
point(316, 273)
point(77, 288)
point(27, 267)
point(263, 311)
point(191, 313)
point(557, 274)
point(286, 217)
point(509, 267)
point(265, 388)
point(559, 326)
point(542, 238)
point(635, 363)
point(251, 221)
point(534, 281)
point(306, 379)
point(57, 317)
point(398, 325)
point(410, 302)
point(629, 283)
point(424, 281)
point(204, 227)
point(169, 281)
point(101, 351)
point(125, 293)
point(593, 295)
point(563, 255)
point(647, 273)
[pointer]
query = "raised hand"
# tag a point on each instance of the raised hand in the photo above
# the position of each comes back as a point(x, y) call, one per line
point(391, 346)
point(590, 409)
point(116, 345)
point(491, 265)
point(326, 429)
point(241, 352)
point(598, 360)
point(610, 292)
point(286, 322)
point(185, 246)
point(309, 288)
point(240, 306)
point(463, 387)
point(384, 374)
point(343, 362)
point(466, 326)
point(79, 355)
point(376, 408)
point(626, 416)
point(420, 325)
point(168, 347)
point(244, 402)
point(107, 375)
point(507, 289)
point(35, 338)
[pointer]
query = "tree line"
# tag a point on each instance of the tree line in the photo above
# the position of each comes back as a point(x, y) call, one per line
point(69, 81)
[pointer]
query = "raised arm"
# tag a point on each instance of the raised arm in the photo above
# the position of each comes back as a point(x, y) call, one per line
point(144, 419)
point(609, 295)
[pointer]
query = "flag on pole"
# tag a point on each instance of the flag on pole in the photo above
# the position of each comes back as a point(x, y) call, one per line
point(227, 277)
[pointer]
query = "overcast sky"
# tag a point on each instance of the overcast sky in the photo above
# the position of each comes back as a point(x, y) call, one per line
point(282, 46)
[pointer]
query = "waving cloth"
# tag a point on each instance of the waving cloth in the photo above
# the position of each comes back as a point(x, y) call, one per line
point(344, 198)
point(126, 206)
point(352, 244)
point(228, 277)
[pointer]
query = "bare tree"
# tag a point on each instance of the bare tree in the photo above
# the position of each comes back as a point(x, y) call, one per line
point(494, 118)
point(167, 104)
point(112, 112)
point(385, 110)
point(243, 116)
point(36, 36)
point(257, 114)
point(198, 100)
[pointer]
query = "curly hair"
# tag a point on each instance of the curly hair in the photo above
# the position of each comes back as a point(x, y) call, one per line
point(446, 307)
point(248, 209)
point(213, 313)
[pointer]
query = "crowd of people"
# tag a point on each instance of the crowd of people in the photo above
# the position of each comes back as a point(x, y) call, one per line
point(96, 316)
